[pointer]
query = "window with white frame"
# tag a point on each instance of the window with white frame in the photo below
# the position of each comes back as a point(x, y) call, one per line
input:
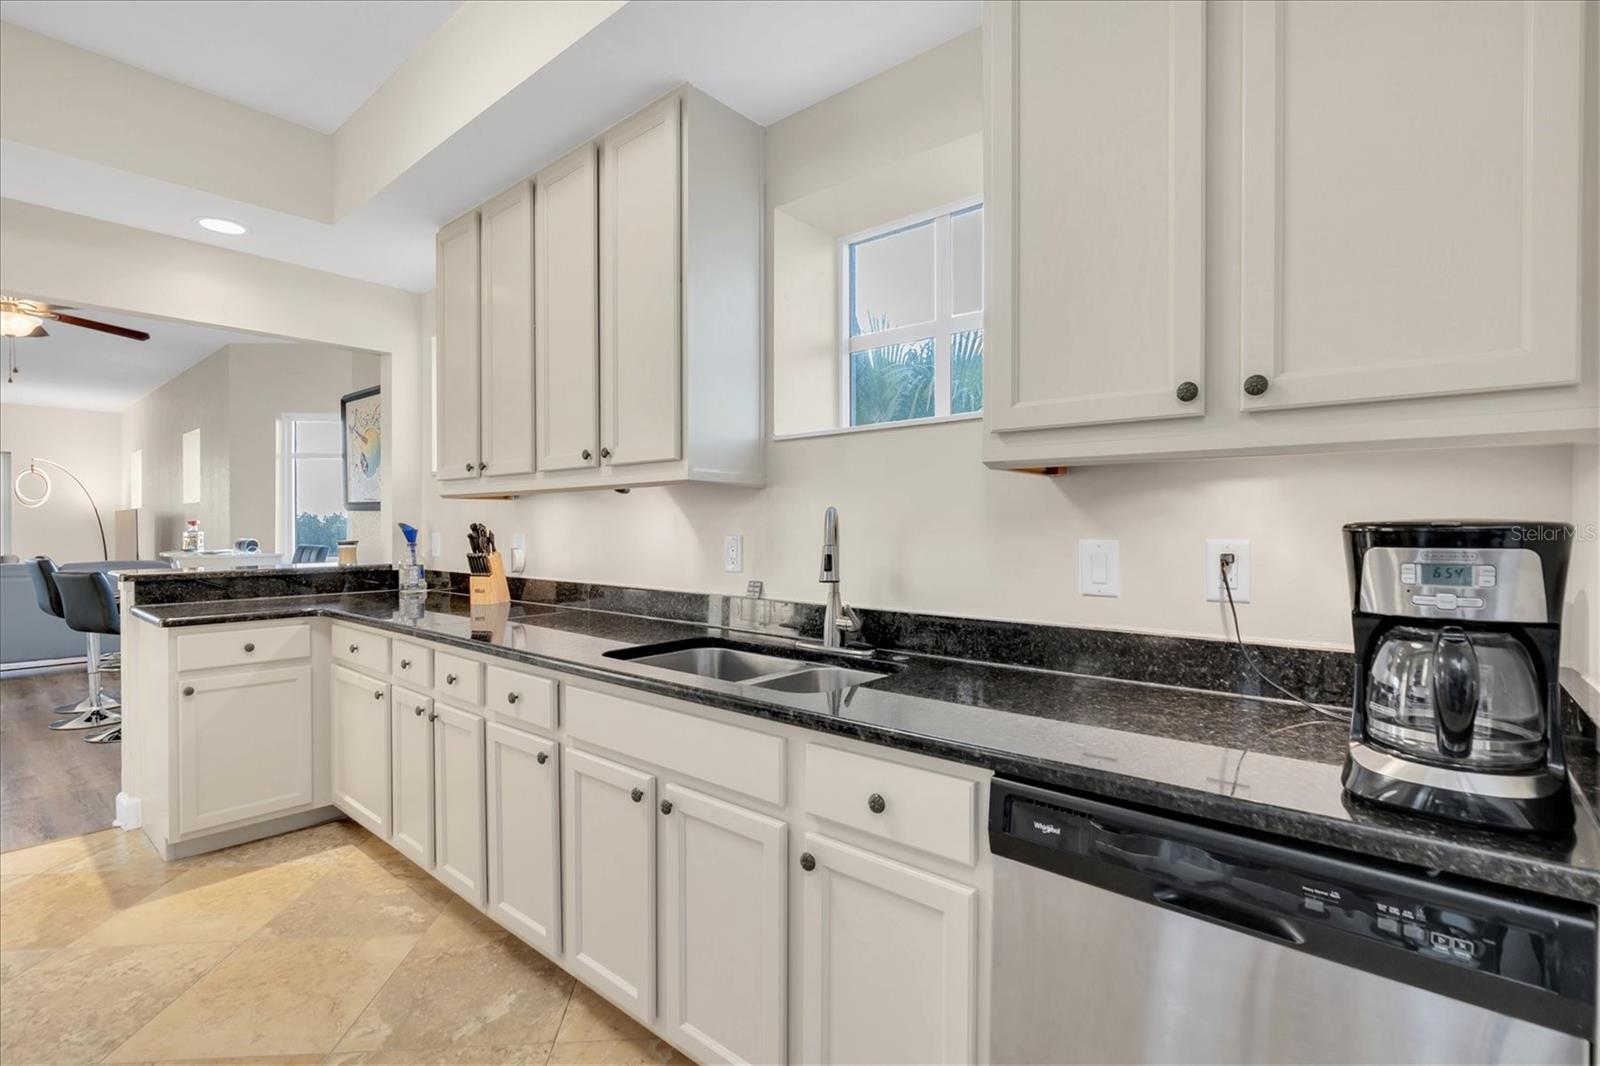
point(311, 482)
point(912, 335)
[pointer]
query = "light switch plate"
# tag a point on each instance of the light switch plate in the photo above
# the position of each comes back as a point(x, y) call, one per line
point(1240, 585)
point(435, 545)
point(733, 554)
point(1099, 568)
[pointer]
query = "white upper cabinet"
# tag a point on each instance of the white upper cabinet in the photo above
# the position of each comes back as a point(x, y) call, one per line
point(459, 322)
point(506, 304)
point(646, 311)
point(566, 312)
point(1285, 226)
point(1411, 199)
point(1096, 213)
point(641, 252)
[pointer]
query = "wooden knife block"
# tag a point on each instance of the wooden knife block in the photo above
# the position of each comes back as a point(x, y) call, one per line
point(489, 588)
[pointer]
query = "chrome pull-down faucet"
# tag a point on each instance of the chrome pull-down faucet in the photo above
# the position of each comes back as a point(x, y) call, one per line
point(837, 618)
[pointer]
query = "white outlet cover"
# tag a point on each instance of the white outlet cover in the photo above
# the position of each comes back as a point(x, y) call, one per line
point(435, 545)
point(733, 554)
point(519, 541)
point(1241, 570)
point(1099, 568)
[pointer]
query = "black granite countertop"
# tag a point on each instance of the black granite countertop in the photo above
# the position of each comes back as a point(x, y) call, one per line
point(1265, 766)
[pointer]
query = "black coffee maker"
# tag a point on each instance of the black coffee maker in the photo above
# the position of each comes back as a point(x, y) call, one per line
point(1458, 642)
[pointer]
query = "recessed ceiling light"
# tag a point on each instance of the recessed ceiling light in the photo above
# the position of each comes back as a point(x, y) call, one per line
point(222, 225)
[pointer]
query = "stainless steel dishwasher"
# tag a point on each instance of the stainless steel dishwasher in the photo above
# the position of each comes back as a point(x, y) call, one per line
point(1123, 936)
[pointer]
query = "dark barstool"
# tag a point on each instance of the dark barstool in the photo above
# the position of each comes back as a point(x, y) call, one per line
point(43, 570)
point(310, 553)
point(89, 600)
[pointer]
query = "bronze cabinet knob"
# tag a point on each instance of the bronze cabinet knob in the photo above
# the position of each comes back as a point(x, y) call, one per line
point(666, 806)
point(542, 757)
point(637, 794)
point(377, 694)
point(1187, 392)
point(420, 709)
point(188, 690)
point(808, 861)
point(470, 468)
point(875, 803)
point(605, 453)
point(248, 648)
point(1255, 385)
point(449, 679)
point(405, 664)
point(513, 697)
point(587, 454)
point(354, 648)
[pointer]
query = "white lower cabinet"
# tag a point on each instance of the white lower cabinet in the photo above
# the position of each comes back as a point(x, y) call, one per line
point(460, 844)
point(524, 809)
point(245, 746)
point(609, 861)
point(890, 960)
point(413, 777)
point(724, 925)
point(361, 751)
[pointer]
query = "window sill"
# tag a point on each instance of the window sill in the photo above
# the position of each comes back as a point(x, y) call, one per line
point(909, 423)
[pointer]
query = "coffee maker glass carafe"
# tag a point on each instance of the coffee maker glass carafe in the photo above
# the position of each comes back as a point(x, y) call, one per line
point(1455, 697)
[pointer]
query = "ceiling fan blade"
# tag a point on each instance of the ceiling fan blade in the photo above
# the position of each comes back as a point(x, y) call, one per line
point(103, 327)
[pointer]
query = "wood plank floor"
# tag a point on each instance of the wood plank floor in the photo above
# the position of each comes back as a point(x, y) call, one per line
point(52, 785)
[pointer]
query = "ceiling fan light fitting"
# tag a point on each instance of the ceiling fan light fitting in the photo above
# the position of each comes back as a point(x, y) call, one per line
point(18, 323)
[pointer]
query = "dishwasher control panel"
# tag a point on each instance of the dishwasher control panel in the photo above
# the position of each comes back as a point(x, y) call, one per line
point(1465, 940)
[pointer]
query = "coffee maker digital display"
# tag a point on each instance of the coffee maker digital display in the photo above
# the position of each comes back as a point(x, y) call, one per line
point(1457, 639)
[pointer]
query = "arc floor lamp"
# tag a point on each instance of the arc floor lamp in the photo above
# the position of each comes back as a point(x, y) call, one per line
point(39, 499)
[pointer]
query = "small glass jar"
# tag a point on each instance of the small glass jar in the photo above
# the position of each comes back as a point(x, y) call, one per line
point(347, 552)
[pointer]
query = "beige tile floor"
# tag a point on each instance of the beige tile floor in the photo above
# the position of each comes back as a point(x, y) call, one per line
point(319, 946)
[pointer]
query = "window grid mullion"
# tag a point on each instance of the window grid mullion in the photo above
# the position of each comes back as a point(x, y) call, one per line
point(943, 298)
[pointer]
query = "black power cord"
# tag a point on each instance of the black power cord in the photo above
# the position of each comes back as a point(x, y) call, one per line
point(1226, 563)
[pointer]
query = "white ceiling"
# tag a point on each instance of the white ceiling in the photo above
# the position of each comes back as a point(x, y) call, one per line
point(765, 58)
point(312, 62)
point(93, 371)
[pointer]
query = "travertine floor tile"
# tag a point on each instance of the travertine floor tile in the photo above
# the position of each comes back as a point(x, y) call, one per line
point(459, 1055)
point(326, 843)
point(618, 1053)
point(362, 897)
point(216, 903)
point(270, 997)
point(42, 857)
point(460, 924)
point(591, 1017)
point(499, 993)
point(53, 910)
point(120, 851)
point(83, 1002)
point(18, 960)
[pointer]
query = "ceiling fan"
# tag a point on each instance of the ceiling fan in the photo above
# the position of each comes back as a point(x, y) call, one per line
point(26, 318)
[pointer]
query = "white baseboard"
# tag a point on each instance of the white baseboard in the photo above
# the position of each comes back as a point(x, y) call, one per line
point(128, 811)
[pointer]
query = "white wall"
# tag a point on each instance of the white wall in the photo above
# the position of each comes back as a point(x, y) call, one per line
point(235, 397)
point(87, 443)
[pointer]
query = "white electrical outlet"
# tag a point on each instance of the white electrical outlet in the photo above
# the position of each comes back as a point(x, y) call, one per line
point(733, 554)
point(1099, 568)
point(435, 545)
point(1238, 573)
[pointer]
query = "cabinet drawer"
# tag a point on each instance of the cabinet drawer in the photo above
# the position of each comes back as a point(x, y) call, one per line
point(460, 679)
point(358, 647)
point(412, 664)
point(742, 760)
point(523, 697)
point(241, 647)
point(921, 809)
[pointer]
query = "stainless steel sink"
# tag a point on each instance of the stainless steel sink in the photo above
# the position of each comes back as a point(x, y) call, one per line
point(724, 664)
point(819, 679)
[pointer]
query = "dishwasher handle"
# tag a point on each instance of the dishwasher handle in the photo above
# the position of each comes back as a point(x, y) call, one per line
point(1246, 919)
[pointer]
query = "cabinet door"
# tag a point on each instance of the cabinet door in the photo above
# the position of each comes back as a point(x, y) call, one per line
point(460, 849)
point(609, 848)
point(890, 960)
point(566, 316)
point(457, 306)
point(724, 924)
point(525, 836)
point(361, 738)
point(506, 266)
point(413, 777)
point(1095, 213)
point(244, 746)
point(641, 261)
point(1418, 233)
